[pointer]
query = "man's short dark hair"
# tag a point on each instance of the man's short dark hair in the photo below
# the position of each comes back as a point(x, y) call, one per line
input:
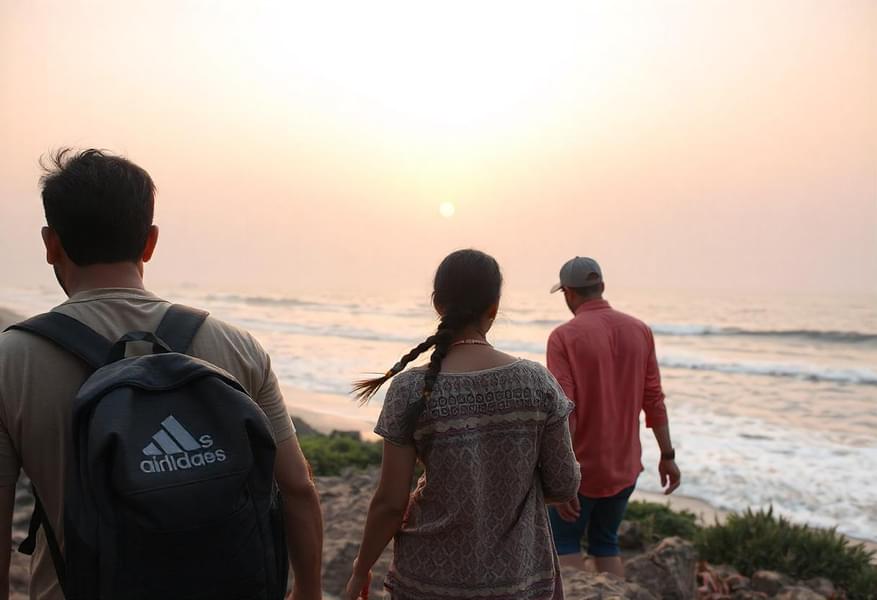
point(100, 205)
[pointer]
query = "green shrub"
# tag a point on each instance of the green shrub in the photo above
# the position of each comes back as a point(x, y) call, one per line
point(759, 540)
point(659, 521)
point(328, 455)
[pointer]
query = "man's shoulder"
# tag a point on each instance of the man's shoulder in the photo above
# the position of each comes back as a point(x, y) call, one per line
point(232, 333)
point(15, 343)
point(234, 349)
point(628, 319)
point(563, 329)
point(25, 357)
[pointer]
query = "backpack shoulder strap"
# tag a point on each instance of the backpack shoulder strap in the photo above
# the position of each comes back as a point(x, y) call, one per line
point(38, 519)
point(70, 334)
point(179, 326)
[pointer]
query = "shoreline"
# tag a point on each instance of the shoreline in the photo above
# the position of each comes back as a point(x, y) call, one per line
point(330, 412)
point(336, 413)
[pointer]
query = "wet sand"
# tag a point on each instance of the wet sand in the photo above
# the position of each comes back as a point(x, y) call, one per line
point(327, 412)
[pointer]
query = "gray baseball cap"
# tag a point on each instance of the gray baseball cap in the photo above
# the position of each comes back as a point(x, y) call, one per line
point(580, 271)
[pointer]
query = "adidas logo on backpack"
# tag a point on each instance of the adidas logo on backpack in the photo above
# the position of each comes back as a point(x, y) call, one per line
point(173, 440)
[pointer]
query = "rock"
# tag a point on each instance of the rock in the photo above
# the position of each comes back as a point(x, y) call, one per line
point(738, 583)
point(769, 582)
point(724, 571)
point(337, 567)
point(630, 535)
point(345, 501)
point(822, 586)
point(731, 577)
point(798, 592)
point(303, 429)
point(582, 585)
point(748, 595)
point(667, 570)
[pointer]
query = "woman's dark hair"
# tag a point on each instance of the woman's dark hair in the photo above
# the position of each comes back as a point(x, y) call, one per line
point(100, 205)
point(467, 283)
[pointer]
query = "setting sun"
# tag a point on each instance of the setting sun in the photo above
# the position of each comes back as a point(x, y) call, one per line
point(447, 209)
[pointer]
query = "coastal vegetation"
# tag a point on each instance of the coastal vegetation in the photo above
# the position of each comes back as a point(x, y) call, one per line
point(762, 541)
point(333, 453)
point(659, 521)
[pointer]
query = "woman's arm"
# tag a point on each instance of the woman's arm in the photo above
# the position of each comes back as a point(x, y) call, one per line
point(557, 463)
point(385, 513)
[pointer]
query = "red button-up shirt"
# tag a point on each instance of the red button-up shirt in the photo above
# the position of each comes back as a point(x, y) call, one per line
point(605, 363)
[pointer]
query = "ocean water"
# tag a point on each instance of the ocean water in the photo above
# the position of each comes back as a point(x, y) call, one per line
point(772, 399)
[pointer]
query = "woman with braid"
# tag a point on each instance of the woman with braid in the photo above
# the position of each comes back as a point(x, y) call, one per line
point(491, 432)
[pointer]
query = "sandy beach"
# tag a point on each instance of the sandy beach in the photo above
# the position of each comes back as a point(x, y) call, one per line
point(328, 412)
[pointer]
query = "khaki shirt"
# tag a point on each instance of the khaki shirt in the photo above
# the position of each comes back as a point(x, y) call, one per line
point(38, 381)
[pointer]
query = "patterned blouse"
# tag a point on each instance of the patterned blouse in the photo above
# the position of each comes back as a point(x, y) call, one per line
point(494, 444)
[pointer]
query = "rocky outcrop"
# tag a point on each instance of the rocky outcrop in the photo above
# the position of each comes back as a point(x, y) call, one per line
point(578, 585)
point(667, 570)
point(345, 501)
point(798, 592)
point(822, 586)
point(769, 582)
point(723, 582)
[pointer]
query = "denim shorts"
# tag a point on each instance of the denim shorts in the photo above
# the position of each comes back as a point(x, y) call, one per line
point(600, 517)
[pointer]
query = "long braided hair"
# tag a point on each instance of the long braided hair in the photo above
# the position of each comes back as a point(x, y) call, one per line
point(467, 283)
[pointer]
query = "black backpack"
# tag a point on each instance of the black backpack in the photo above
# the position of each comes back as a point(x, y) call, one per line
point(170, 490)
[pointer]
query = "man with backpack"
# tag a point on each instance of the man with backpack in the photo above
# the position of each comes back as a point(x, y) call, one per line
point(156, 438)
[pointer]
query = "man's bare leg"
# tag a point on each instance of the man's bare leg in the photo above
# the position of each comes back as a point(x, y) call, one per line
point(609, 564)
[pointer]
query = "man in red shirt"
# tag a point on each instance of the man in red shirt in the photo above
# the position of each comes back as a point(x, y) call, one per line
point(605, 363)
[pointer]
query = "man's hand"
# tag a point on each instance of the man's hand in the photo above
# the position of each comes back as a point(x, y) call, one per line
point(670, 475)
point(569, 511)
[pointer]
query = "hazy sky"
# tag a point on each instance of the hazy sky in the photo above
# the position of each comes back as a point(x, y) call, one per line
point(309, 146)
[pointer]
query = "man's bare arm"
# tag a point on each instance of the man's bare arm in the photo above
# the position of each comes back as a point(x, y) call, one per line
point(303, 519)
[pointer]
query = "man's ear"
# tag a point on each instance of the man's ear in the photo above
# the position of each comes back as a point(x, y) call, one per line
point(54, 249)
point(151, 241)
point(493, 310)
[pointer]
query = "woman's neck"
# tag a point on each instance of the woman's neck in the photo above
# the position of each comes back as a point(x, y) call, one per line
point(470, 333)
